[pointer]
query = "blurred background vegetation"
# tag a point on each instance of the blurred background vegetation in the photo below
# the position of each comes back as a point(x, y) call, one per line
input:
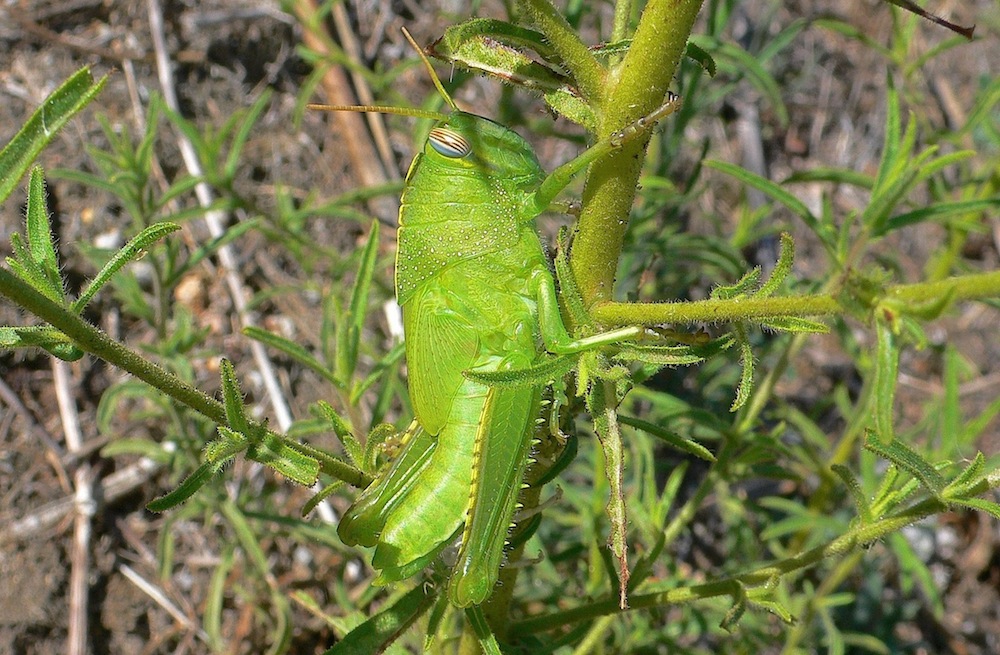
point(801, 87)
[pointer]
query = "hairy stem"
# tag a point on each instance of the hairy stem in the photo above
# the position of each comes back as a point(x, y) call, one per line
point(587, 71)
point(964, 287)
point(846, 543)
point(94, 341)
point(634, 89)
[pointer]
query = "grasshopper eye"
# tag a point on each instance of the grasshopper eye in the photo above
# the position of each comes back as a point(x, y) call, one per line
point(449, 143)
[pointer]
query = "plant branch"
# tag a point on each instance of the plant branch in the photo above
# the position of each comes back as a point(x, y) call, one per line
point(586, 70)
point(92, 340)
point(635, 88)
point(848, 542)
point(965, 287)
point(714, 311)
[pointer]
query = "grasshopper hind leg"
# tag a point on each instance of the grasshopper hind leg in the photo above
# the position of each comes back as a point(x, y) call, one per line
point(364, 521)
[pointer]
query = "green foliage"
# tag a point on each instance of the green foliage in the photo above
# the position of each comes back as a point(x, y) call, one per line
point(712, 446)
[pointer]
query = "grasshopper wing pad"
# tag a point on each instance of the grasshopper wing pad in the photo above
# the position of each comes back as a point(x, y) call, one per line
point(441, 342)
point(502, 447)
point(363, 522)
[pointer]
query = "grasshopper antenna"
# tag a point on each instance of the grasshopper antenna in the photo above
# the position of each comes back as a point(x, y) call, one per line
point(400, 111)
point(430, 70)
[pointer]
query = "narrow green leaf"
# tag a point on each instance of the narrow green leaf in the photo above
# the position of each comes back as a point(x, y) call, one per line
point(73, 95)
point(133, 250)
point(602, 403)
point(291, 463)
point(866, 643)
point(232, 398)
point(747, 362)
point(735, 611)
point(975, 427)
point(747, 65)
point(744, 286)
point(938, 211)
point(969, 476)
point(329, 464)
point(345, 337)
point(659, 355)
point(909, 460)
point(187, 488)
point(983, 109)
point(538, 375)
point(980, 504)
point(786, 258)
point(835, 175)
point(834, 638)
point(885, 199)
point(487, 642)
point(951, 416)
point(882, 499)
point(569, 290)
point(673, 439)
point(343, 431)
point(32, 336)
point(795, 324)
point(247, 123)
point(295, 351)
point(915, 569)
point(378, 373)
point(938, 164)
point(437, 615)
point(701, 57)
point(228, 445)
point(32, 272)
point(773, 190)
point(280, 637)
point(39, 232)
point(319, 497)
point(63, 349)
point(374, 635)
point(778, 42)
point(886, 373)
point(247, 538)
point(853, 33)
point(890, 142)
point(142, 446)
point(857, 493)
point(212, 615)
point(363, 282)
point(892, 498)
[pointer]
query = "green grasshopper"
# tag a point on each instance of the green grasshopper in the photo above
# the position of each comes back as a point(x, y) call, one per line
point(477, 296)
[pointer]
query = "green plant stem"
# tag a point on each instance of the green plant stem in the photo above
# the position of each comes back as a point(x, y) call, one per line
point(715, 311)
point(634, 89)
point(92, 340)
point(853, 539)
point(623, 15)
point(965, 287)
point(587, 71)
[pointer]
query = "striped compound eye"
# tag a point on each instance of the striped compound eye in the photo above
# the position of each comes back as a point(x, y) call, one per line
point(449, 143)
